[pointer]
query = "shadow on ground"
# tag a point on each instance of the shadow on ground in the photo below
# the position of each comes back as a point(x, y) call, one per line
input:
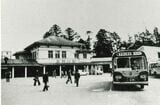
point(155, 76)
point(126, 88)
point(107, 86)
point(101, 86)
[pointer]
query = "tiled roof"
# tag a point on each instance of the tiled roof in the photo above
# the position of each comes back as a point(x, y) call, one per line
point(85, 50)
point(55, 41)
point(22, 52)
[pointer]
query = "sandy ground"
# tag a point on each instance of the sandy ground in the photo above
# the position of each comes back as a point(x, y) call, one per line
point(93, 90)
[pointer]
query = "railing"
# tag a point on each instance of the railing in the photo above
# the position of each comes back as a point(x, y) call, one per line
point(62, 60)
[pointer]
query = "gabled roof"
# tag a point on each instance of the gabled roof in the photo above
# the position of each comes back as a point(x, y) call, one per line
point(54, 41)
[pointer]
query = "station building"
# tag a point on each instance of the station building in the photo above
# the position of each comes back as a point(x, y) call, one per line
point(152, 53)
point(53, 53)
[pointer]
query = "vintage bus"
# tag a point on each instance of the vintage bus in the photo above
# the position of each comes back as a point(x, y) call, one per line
point(154, 69)
point(130, 68)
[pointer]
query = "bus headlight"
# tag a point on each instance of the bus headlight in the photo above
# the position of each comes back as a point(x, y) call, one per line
point(143, 76)
point(117, 77)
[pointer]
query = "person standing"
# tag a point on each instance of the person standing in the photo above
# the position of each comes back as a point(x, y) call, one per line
point(8, 74)
point(45, 81)
point(69, 76)
point(76, 77)
point(36, 78)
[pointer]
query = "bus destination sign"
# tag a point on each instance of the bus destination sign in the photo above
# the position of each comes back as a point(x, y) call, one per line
point(129, 53)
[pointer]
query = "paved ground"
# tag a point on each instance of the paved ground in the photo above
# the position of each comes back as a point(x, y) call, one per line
point(93, 90)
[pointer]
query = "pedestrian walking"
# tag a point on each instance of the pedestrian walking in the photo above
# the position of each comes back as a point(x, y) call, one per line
point(76, 77)
point(8, 74)
point(69, 76)
point(45, 81)
point(36, 78)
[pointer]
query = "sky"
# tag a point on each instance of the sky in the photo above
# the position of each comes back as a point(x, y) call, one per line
point(25, 21)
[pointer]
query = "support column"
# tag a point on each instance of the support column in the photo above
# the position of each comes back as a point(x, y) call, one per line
point(44, 69)
point(12, 72)
point(87, 68)
point(25, 72)
point(92, 69)
point(60, 71)
point(74, 68)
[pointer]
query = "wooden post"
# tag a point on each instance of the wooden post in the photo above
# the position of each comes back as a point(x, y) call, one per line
point(25, 72)
point(87, 68)
point(12, 72)
point(44, 69)
point(60, 71)
point(74, 68)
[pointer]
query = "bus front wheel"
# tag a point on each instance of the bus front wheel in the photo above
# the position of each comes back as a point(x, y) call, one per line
point(142, 86)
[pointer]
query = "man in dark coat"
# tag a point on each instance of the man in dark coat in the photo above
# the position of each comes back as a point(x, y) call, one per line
point(45, 81)
point(69, 77)
point(76, 77)
point(36, 78)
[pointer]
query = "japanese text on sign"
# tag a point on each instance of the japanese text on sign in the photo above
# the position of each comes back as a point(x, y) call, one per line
point(129, 53)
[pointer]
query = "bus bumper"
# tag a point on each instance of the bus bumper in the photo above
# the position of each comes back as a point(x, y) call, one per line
point(130, 83)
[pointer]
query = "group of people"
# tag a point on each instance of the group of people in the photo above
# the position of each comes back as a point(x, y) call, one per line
point(76, 77)
point(46, 79)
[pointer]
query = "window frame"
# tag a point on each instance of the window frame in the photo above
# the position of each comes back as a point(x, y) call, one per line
point(64, 54)
point(50, 54)
point(57, 54)
point(85, 55)
point(76, 55)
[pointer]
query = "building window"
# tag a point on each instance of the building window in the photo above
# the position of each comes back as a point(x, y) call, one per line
point(63, 54)
point(84, 55)
point(158, 54)
point(34, 55)
point(57, 54)
point(50, 54)
point(76, 55)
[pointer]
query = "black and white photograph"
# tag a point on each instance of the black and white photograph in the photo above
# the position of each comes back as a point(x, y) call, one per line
point(80, 52)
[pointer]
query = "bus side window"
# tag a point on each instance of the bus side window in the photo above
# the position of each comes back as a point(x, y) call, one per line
point(136, 64)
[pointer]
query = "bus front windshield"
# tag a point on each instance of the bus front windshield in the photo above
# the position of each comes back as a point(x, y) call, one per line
point(123, 63)
point(133, 63)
